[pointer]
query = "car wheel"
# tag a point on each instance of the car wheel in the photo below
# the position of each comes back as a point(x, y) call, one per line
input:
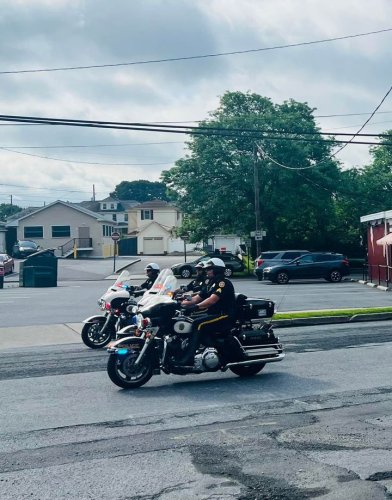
point(282, 278)
point(186, 272)
point(335, 276)
point(228, 272)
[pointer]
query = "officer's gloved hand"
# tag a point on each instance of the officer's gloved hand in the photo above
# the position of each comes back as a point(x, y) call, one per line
point(190, 309)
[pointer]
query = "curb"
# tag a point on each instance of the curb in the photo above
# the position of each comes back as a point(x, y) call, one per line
point(330, 320)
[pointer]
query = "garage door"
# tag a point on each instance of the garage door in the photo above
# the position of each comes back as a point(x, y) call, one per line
point(153, 246)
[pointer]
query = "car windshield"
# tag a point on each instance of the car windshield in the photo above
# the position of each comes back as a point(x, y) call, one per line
point(2, 258)
point(27, 244)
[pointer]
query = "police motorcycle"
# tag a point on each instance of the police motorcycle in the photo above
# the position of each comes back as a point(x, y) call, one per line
point(162, 331)
point(100, 329)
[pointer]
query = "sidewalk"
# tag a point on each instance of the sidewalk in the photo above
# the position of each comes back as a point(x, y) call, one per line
point(69, 333)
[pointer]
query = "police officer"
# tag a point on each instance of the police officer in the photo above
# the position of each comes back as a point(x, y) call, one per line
point(152, 271)
point(196, 284)
point(216, 300)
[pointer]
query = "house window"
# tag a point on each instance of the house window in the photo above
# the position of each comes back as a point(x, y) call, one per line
point(33, 232)
point(61, 231)
point(147, 215)
point(112, 206)
point(114, 217)
point(103, 206)
point(125, 217)
point(107, 230)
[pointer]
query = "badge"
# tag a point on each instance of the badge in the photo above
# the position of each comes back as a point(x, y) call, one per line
point(221, 284)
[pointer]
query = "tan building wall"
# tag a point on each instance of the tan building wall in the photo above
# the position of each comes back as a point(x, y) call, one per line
point(61, 215)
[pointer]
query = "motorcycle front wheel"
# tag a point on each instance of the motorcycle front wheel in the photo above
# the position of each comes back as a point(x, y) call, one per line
point(247, 370)
point(122, 370)
point(94, 338)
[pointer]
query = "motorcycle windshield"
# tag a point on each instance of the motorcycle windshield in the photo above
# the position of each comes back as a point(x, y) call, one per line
point(158, 285)
point(123, 279)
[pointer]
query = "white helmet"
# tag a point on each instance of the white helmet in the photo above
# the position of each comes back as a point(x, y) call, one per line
point(152, 267)
point(217, 265)
point(199, 265)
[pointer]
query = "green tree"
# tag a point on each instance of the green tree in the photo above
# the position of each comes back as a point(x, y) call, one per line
point(214, 183)
point(6, 210)
point(363, 191)
point(140, 190)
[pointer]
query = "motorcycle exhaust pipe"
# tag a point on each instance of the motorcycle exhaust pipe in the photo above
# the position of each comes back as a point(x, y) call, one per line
point(279, 357)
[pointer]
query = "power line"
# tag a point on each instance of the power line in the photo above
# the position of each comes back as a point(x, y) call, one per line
point(45, 189)
point(366, 122)
point(84, 162)
point(152, 127)
point(206, 131)
point(95, 145)
point(188, 58)
point(351, 114)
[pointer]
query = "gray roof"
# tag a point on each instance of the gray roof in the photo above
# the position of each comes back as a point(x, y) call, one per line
point(156, 204)
point(122, 205)
point(76, 206)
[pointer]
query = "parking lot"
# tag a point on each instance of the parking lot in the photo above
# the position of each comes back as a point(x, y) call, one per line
point(82, 282)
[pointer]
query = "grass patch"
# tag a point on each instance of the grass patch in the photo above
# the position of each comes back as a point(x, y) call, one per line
point(332, 312)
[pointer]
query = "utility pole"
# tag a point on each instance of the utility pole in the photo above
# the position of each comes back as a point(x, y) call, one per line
point(93, 192)
point(11, 199)
point(257, 195)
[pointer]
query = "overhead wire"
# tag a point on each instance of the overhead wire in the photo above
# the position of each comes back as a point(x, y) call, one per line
point(366, 122)
point(189, 58)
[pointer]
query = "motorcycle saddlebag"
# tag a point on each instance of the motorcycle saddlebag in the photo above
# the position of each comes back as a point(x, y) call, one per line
point(255, 309)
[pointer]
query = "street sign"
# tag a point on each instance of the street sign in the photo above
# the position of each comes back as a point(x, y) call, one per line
point(258, 238)
point(115, 236)
point(258, 234)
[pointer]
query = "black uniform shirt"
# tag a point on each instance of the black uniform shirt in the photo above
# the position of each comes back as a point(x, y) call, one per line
point(148, 283)
point(197, 284)
point(223, 288)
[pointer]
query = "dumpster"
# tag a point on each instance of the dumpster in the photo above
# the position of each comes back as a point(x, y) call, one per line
point(39, 270)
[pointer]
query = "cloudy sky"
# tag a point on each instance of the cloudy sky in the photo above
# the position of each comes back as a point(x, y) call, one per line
point(48, 163)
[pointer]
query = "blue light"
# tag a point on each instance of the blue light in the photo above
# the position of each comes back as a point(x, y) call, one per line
point(122, 351)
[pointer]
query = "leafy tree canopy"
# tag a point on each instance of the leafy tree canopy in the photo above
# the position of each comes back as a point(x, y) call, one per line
point(215, 183)
point(140, 190)
point(6, 210)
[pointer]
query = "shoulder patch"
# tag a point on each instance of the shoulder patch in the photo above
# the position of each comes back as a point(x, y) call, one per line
point(221, 284)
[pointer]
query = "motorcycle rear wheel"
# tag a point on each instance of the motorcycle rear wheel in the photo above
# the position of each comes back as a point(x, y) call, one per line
point(247, 370)
point(92, 336)
point(122, 372)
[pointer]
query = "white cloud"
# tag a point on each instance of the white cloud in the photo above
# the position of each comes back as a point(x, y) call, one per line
point(347, 76)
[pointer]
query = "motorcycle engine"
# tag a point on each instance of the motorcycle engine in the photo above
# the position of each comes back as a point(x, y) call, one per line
point(208, 360)
point(182, 326)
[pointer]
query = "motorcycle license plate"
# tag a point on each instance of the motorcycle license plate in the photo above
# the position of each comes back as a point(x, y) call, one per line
point(261, 313)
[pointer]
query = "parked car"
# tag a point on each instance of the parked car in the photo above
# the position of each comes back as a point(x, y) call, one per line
point(327, 265)
point(275, 257)
point(24, 248)
point(6, 264)
point(232, 262)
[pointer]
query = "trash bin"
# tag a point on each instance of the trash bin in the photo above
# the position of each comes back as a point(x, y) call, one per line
point(39, 270)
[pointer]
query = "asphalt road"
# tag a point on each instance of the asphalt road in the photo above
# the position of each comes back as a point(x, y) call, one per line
point(82, 282)
point(316, 425)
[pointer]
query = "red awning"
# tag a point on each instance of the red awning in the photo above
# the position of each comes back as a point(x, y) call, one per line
point(385, 240)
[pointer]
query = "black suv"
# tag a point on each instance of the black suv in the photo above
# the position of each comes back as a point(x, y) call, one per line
point(232, 262)
point(327, 265)
point(273, 258)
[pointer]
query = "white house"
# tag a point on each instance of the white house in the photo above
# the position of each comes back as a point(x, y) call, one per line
point(153, 223)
